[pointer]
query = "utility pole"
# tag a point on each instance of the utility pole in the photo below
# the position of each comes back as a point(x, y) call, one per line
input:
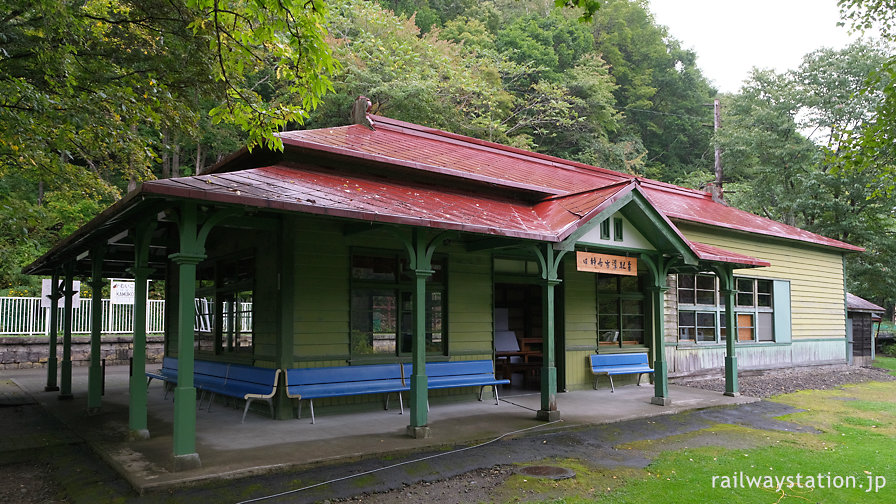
point(717, 194)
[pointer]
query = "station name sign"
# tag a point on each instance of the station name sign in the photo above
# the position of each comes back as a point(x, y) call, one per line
point(603, 263)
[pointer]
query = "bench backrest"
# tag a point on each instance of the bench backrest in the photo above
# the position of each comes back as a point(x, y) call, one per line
point(342, 374)
point(626, 359)
point(252, 374)
point(169, 364)
point(456, 368)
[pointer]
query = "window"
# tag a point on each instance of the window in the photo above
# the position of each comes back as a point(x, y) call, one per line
point(617, 230)
point(701, 311)
point(605, 229)
point(620, 311)
point(225, 287)
point(382, 321)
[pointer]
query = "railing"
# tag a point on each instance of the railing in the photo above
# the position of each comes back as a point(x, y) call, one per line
point(24, 316)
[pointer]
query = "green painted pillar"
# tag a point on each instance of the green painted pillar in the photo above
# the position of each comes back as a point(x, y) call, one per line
point(52, 369)
point(549, 410)
point(95, 370)
point(65, 392)
point(549, 263)
point(660, 365)
point(728, 292)
point(422, 266)
point(137, 414)
point(191, 253)
point(289, 245)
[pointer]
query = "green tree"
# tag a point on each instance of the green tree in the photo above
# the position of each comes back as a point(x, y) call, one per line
point(90, 91)
point(774, 169)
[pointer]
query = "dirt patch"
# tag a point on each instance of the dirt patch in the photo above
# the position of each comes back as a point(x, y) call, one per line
point(27, 483)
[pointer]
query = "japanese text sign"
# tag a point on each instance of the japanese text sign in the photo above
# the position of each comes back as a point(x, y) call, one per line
point(603, 263)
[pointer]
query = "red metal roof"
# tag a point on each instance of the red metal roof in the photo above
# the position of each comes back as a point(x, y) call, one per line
point(457, 183)
point(716, 254)
point(427, 149)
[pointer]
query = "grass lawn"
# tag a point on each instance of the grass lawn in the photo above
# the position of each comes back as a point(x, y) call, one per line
point(851, 459)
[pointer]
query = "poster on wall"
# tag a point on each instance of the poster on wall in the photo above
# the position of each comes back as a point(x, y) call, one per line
point(46, 289)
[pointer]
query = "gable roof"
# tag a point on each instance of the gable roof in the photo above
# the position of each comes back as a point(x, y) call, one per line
point(403, 173)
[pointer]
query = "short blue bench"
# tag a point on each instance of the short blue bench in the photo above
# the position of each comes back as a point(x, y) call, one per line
point(617, 364)
point(473, 373)
point(337, 381)
point(239, 381)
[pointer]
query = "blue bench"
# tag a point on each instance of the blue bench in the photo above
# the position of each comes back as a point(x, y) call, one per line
point(474, 373)
point(167, 373)
point(249, 383)
point(337, 381)
point(617, 364)
point(239, 381)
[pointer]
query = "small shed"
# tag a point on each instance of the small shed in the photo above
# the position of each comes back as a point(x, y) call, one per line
point(862, 314)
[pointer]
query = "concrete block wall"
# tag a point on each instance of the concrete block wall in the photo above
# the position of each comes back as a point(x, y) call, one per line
point(31, 352)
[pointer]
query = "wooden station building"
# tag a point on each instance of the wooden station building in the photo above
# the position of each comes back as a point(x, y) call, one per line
point(390, 241)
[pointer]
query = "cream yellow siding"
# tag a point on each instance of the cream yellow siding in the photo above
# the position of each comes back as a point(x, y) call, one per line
point(815, 275)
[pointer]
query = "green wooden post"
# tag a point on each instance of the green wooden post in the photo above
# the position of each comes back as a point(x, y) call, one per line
point(658, 268)
point(52, 369)
point(286, 337)
point(728, 291)
point(95, 370)
point(549, 263)
point(421, 263)
point(137, 413)
point(191, 253)
point(660, 364)
point(66, 375)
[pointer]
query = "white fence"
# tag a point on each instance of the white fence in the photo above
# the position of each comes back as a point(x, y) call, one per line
point(24, 316)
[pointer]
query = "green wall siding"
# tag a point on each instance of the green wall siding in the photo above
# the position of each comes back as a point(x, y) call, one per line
point(470, 304)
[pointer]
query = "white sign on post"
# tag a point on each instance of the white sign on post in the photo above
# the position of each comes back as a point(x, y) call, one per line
point(46, 290)
point(122, 292)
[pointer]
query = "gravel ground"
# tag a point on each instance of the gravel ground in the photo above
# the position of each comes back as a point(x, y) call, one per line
point(783, 381)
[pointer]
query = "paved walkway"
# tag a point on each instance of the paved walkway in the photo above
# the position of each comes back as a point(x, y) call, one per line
point(229, 449)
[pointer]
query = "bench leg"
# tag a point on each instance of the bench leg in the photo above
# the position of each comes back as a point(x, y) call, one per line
point(400, 404)
point(639, 378)
point(495, 390)
point(612, 388)
point(246, 409)
point(311, 405)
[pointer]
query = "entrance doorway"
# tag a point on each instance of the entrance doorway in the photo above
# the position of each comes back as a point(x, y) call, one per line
point(518, 333)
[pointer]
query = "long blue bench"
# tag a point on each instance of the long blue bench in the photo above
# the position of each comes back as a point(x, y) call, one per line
point(337, 381)
point(473, 373)
point(249, 383)
point(167, 374)
point(618, 364)
point(239, 381)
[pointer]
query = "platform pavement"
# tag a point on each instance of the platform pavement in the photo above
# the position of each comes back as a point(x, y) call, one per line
point(229, 449)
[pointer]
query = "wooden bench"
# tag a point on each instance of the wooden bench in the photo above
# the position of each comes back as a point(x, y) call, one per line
point(475, 373)
point(239, 381)
point(617, 364)
point(337, 381)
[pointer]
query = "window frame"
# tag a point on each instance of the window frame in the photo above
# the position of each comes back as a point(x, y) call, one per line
point(752, 307)
point(619, 296)
point(401, 287)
